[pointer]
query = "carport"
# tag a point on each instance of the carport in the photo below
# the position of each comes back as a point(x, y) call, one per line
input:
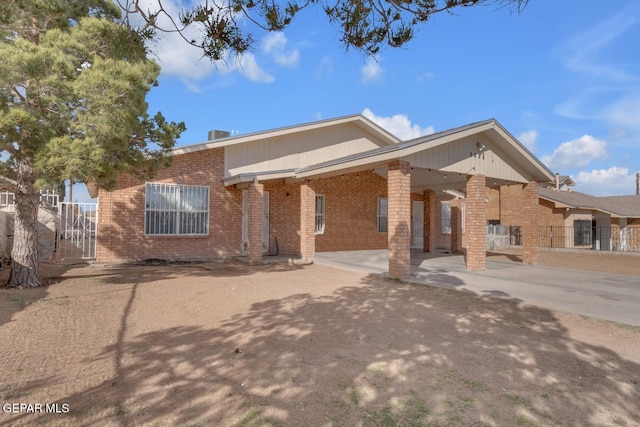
point(467, 159)
point(604, 295)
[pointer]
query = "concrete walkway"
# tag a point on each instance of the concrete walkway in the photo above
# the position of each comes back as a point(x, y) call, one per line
point(603, 295)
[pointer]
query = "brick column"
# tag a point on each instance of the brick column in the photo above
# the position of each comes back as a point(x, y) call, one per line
point(530, 223)
point(255, 218)
point(307, 223)
point(399, 219)
point(455, 226)
point(476, 220)
point(429, 227)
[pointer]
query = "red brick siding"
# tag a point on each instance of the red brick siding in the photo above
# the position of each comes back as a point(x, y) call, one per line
point(284, 217)
point(493, 206)
point(475, 228)
point(350, 211)
point(307, 222)
point(510, 204)
point(431, 215)
point(399, 185)
point(548, 215)
point(530, 221)
point(121, 215)
point(255, 223)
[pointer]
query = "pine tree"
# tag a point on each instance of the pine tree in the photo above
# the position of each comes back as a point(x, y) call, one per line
point(73, 82)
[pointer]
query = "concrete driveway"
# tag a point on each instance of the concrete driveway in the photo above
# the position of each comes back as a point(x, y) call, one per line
point(603, 295)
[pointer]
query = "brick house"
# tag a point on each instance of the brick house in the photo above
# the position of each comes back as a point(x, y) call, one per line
point(338, 184)
point(571, 219)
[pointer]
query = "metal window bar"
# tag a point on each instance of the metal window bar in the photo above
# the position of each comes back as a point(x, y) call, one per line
point(319, 213)
point(381, 218)
point(176, 209)
point(47, 198)
point(445, 209)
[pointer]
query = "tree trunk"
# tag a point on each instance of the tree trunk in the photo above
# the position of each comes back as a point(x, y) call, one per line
point(24, 255)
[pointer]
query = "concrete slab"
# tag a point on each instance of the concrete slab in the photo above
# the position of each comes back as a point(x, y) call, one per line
point(606, 296)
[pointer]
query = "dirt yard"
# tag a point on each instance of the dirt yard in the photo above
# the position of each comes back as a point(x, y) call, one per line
point(231, 345)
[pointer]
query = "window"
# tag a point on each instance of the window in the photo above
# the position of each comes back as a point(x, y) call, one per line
point(581, 232)
point(319, 213)
point(445, 211)
point(176, 210)
point(382, 214)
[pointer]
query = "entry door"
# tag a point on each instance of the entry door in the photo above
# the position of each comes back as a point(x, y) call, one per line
point(417, 229)
point(245, 222)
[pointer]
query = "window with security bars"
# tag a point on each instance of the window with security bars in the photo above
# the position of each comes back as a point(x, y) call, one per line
point(176, 210)
point(445, 210)
point(581, 232)
point(382, 214)
point(319, 213)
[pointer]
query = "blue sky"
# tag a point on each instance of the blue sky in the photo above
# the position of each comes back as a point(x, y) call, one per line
point(564, 79)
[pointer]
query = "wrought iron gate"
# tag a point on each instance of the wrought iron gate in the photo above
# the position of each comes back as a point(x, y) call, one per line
point(77, 233)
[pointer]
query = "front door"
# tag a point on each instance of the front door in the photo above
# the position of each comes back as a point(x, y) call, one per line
point(245, 222)
point(417, 229)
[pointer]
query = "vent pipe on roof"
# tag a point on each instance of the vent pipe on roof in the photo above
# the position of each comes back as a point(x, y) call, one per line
point(638, 184)
point(218, 134)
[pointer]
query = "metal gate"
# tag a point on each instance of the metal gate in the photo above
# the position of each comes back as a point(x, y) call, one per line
point(77, 233)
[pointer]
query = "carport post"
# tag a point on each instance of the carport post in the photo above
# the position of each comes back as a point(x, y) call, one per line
point(429, 229)
point(307, 223)
point(530, 223)
point(399, 219)
point(255, 218)
point(476, 223)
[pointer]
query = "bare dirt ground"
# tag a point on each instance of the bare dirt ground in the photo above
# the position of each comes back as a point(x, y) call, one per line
point(227, 344)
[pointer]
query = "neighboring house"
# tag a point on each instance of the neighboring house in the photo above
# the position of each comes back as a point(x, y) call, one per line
point(47, 221)
point(571, 219)
point(332, 185)
point(578, 220)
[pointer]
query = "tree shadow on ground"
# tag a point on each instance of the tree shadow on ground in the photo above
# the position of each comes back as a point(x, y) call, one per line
point(510, 257)
point(378, 353)
point(13, 300)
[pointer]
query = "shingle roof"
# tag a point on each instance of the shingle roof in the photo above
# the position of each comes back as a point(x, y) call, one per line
point(623, 206)
point(629, 205)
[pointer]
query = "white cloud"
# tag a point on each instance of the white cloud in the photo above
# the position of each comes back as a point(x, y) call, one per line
point(250, 68)
point(581, 51)
point(625, 111)
point(371, 71)
point(426, 76)
point(325, 68)
point(606, 182)
point(274, 44)
point(179, 59)
point(607, 88)
point(399, 125)
point(529, 139)
point(175, 56)
point(577, 153)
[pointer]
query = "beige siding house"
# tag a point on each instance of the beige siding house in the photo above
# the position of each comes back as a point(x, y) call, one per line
point(337, 184)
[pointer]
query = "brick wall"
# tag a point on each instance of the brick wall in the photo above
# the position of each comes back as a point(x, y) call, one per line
point(475, 229)
point(510, 204)
point(350, 211)
point(493, 205)
point(255, 223)
point(307, 222)
point(284, 217)
point(530, 221)
point(399, 185)
point(121, 215)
